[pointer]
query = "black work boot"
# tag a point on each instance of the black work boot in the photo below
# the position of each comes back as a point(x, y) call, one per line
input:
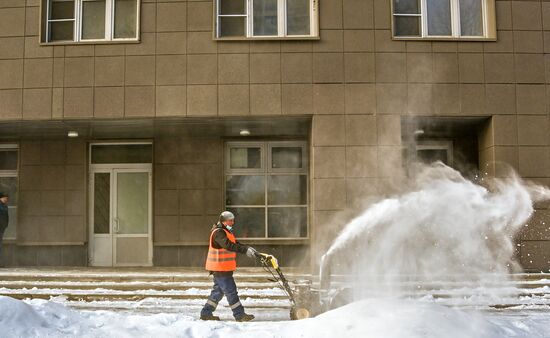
point(209, 317)
point(245, 318)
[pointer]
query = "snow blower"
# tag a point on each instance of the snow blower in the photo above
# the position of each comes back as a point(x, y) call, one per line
point(271, 265)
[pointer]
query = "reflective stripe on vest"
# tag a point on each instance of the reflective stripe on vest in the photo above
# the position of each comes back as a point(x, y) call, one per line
point(221, 259)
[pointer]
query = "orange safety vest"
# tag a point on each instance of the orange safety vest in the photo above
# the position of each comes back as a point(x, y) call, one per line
point(221, 259)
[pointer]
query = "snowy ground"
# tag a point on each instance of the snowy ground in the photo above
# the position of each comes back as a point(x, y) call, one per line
point(143, 306)
point(368, 318)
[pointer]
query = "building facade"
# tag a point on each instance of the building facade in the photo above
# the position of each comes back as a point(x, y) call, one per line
point(126, 126)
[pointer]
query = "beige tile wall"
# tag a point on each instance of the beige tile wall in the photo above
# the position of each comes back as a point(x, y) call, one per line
point(188, 189)
point(355, 81)
point(52, 192)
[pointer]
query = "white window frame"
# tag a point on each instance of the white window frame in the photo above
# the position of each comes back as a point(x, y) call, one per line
point(488, 18)
point(281, 144)
point(15, 174)
point(77, 22)
point(48, 20)
point(260, 145)
point(266, 171)
point(281, 22)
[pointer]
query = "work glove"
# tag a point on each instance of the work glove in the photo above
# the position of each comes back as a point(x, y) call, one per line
point(251, 252)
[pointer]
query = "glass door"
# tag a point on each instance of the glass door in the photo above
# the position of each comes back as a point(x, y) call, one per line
point(121, 217)
point(101, 243)
point(132, 217)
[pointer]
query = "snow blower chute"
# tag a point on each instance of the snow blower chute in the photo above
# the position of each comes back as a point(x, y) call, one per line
point(271, 265)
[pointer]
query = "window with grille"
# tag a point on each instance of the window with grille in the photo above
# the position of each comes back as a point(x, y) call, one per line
point(266, 187)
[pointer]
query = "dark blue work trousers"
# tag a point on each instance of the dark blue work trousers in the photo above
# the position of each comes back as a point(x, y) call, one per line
point(223, 285)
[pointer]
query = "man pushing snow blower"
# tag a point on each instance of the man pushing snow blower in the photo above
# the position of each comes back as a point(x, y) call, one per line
point(221, 262)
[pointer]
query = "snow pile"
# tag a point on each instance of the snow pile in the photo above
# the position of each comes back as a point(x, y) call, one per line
point(367, 318)
point(400, 318)
point(447, 228)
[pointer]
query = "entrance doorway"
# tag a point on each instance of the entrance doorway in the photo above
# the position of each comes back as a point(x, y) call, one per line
point(120, 214)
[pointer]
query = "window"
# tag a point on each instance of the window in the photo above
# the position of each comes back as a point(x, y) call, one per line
point(90, 20)
point(444, 19)
point(266, 19)
point(431, 151)
point(121, 153)
point(9, 169)
point(266, 187)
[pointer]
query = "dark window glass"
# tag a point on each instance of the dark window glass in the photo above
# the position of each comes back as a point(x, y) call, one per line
point(228, 7)
point(132, 203)
point(432, 155)
point(123, 153)
point(406, 7)
point(471, 18)
point(93, 19)
point(245, 158)
point(249, 222)
point(286, 157)
point(439, 17)
point(8, 159)
point(60, 10)
point(125, 19)
point(407, 25)
point(62, 31)
point(102, 202)
point(245, 190)
point(232, 26)
point(297, 17)
point(9, 185)
point(265, 17)
point(287, 222)
point(287, 190)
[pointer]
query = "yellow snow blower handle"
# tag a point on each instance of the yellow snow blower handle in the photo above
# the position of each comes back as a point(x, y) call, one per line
point(271, 260)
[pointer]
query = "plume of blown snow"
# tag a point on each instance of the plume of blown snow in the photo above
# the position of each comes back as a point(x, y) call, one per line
point(447, 227)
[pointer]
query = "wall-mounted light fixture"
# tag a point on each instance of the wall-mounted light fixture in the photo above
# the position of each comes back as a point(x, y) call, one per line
point(244, 132)
point(418, 132)
point(72, 133)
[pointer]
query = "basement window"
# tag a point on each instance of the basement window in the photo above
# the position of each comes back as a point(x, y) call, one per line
point(266, 19)
point(428, 152)
point(444, 19)
point(66, 21)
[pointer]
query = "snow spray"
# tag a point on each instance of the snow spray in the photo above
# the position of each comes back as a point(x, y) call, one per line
point(446, 228)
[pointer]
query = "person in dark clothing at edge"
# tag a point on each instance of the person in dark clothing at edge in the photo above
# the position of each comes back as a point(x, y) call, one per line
point(221, 262)
point(4, 220)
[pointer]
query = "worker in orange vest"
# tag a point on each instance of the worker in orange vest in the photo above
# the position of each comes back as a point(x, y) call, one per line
point(221, 262)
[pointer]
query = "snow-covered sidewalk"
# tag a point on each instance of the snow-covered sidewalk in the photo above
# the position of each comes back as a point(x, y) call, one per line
point(367, 318)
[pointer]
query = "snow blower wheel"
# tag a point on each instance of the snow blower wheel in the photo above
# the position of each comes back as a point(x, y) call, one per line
point(299, 313)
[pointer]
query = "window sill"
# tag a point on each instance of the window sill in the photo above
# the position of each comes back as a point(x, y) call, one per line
point(474, 39)
point(282, 38)
point(80, 43)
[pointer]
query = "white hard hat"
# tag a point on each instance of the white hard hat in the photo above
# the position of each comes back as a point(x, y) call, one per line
point(226, 216)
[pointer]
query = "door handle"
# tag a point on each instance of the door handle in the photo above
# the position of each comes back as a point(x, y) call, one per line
point(117, 228)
